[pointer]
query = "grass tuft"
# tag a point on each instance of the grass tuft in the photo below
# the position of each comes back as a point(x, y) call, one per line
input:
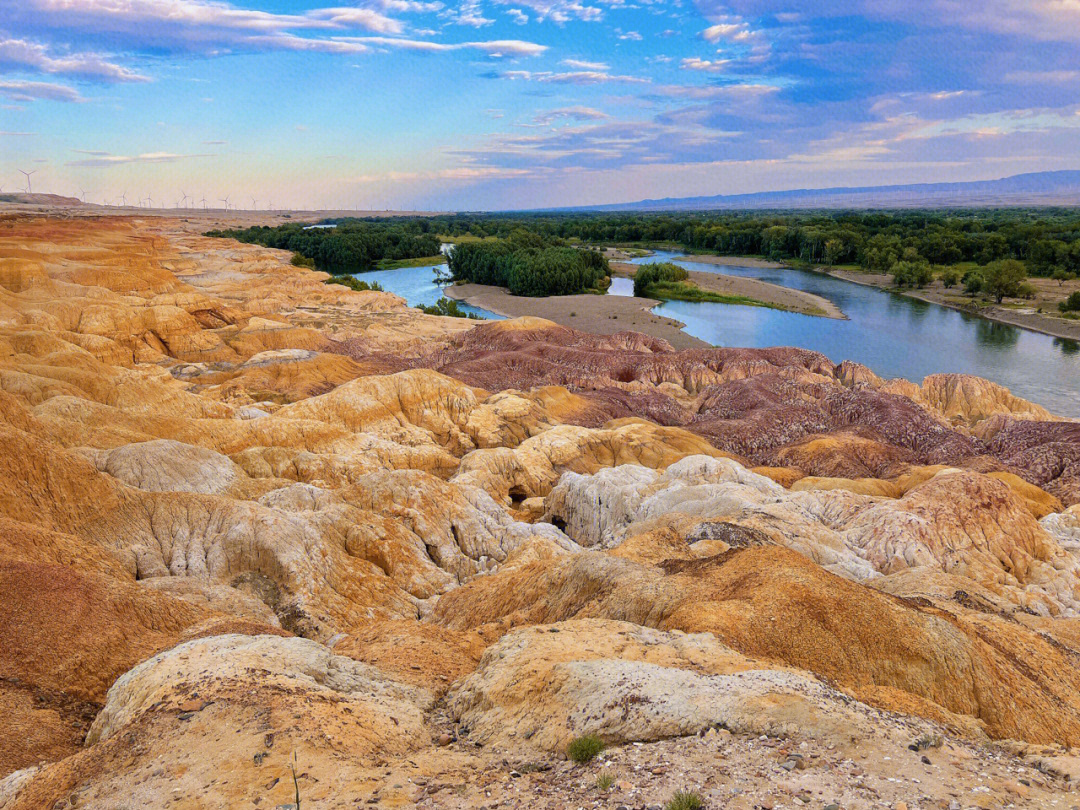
point(584, 749)
point(684, 800)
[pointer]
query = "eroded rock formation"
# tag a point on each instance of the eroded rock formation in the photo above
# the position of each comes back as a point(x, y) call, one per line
point(253, 526)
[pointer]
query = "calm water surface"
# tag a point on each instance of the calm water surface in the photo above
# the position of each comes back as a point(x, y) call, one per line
point(417, 286)
point(894, 335)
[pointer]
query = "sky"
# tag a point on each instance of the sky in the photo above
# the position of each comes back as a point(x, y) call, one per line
point(517, 104)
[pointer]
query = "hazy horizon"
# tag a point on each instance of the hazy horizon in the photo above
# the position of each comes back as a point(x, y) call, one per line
point(499, 104)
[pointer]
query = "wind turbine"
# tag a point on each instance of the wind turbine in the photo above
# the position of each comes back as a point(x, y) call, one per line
point(183, 199)
point(149, 201)
point(254, 204)
point(226, 201)
point(123, 199)
point(203, 202)
point(29, 190)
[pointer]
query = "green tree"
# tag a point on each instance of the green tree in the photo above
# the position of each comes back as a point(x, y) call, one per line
point(1003, 278)
point(1061, 275)
point(951, 276)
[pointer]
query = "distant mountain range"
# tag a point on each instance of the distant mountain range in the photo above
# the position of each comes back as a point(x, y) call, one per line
point(1037, 188)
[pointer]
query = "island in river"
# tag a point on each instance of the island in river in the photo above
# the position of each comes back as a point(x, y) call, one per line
point(607, 314)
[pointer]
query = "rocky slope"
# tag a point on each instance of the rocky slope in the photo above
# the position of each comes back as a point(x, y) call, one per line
point(262, 536)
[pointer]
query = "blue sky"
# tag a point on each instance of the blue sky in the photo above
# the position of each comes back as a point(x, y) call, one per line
point(495, 104)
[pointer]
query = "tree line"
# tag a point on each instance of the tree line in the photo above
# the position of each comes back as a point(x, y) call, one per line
point(1046, 240)
point(350, 247)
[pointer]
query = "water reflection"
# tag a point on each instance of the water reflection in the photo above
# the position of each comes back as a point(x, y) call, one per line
point(894, 335)
point(417, 286)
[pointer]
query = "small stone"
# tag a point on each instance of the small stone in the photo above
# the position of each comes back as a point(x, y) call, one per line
point(445, 739)
point(623, 786)
point(832, 806)
point(926, 760)
point(900, 806)
point(660, 770)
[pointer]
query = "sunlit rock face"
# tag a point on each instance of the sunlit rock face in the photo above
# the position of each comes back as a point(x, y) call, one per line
point(246, 514)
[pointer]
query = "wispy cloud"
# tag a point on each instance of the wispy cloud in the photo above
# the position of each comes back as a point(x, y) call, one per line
point(581, 64)
point(30, 91)
point(108, 160)
point(576, 113)
point(21, 54)
point(574, 77)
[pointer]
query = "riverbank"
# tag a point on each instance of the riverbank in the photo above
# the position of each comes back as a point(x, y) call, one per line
point(763, 293)
point(599, 314)
point(938, 294)
point(731, 261)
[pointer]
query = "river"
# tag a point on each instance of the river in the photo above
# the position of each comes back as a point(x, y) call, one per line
point(892, 334)
point(417, 286)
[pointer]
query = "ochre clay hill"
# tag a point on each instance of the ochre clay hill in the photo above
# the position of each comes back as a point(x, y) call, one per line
point(263, 537)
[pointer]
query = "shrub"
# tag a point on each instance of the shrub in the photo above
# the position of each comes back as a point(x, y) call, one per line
point(973, 282)
point(1071, 304)
point(448, 308)
point(911, 274)
point(355, 283)
point(660, 273)
point(584, 749)
point(604, 780)
point(684, 800)
point(299, 260)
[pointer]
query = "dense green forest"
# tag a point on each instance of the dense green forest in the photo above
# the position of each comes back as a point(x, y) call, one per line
point(1047, 240)
point(988, 251)
point(352, 246)
point(528, 264)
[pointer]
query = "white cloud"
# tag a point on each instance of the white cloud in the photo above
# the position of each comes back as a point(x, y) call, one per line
point(16, 134)
point(518, 16)
point(560, 11)
point(576, 113)
point(494, 47)
point(580, 64)
point(575, 77)
point(469, 13)
point(733, 32)
point(693, 63)
point(634, 36)
point(120, 160)
point(21, 54)
point(29, 91)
